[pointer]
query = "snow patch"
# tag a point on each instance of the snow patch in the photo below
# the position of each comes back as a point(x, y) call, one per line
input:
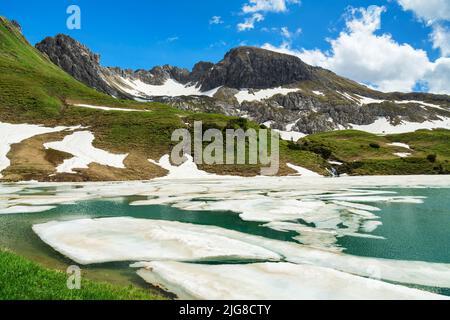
point(79, 144)
point(302, 171)
point(170, 88)
point(187, 170)
point(400, 145)
point(383, 126)
point(402, 154)
point(290, 135)
point(16, 133)
point(251, 95)
point(108, 108)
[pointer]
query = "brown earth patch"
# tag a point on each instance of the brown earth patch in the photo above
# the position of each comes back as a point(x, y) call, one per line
point(31, 161)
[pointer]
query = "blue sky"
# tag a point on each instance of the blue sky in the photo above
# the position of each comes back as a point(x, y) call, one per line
point(140, 34)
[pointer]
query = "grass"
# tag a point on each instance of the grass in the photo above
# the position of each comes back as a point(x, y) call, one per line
point(21, 279)
point(368, 154)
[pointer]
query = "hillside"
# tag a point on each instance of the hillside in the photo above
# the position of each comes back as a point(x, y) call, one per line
point(44, 110)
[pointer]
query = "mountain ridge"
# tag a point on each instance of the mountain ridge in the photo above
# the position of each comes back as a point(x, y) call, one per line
point(293, 95)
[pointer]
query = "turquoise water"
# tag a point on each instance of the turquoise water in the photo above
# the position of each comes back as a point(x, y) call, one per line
point(412, 231)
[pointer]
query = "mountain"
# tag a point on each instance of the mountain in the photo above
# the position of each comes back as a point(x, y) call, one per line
point(55, 127)
point(41, 104)
point(271, 88)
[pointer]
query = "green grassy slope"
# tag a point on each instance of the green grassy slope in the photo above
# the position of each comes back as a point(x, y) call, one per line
point(21, 279)
point(367, 154)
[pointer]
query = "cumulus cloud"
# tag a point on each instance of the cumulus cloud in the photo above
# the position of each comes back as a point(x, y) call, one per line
point(438, 77)
point(428, 10)
point(360, 54)
point(441, 39)
point(249, 23)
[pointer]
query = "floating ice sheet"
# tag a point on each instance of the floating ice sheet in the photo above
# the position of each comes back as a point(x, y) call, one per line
point(127, 239)
point(270, 281)
point(91, 241)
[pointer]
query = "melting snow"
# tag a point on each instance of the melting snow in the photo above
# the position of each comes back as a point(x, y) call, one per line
point(170, 88)
point(270, 281)
point(187, 170)
point(400, 145)
point(361, 100)
point(127, 239)
point(291, 135)
point(108, 108)
point(302, 171)
point(80, 145)
point(16, 133)
point(383, 126)
point(259, 95)
point(402, 154)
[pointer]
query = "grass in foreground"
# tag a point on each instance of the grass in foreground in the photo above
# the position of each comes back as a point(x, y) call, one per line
point(21, 279)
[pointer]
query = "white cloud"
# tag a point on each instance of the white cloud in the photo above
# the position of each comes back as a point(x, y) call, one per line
point(288, 35)
point(249, 23)
point(428, 10)
point(438, 77)
point(441, 39)
point(259, 7)
point(359, 54)
point(216, 20)
point(267, 5)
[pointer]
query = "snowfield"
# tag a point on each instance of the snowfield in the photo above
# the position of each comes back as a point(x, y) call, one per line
point(16, 133)
point(170, 88)
point(383, 126)
point(251, 95)
point(79, 144)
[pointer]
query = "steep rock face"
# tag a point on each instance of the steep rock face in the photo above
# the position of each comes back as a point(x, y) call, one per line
point(77, 60)
point(200, 70)
point(249, 67)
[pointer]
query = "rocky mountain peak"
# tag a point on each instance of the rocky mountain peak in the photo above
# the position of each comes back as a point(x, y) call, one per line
point(76, 59)
point(251, 67)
